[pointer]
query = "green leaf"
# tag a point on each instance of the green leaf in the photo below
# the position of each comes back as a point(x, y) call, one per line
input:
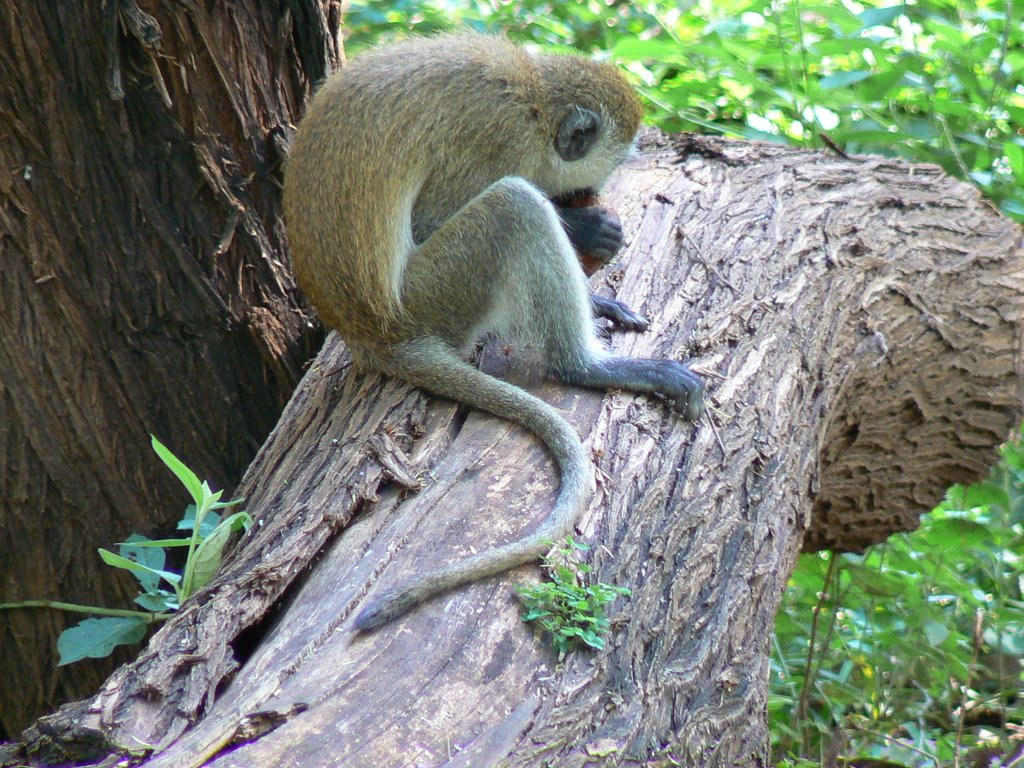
point(161, 543)
point(212, 498)
point(660, 50)
point(207, 557)
point(880, 85)
point(844, 20)
point(957, 532)
point(593, 640)
point(1015, 155)
point(873, 582)
point(130, 565)
point(843, 79)
point(239, 521)
point(222, 504)
point(158, 601)
point(97, 638)
point(935, 633)
point(985, 494)
point(153, 560)
point(209, 523)
point(1013, 208)
point(1016, 114)
point(1007, 639)
point(832, 46)
point(184, 474)
point(874, 17)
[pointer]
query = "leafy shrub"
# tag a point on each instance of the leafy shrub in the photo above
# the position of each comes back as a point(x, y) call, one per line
point(933, 81)
point(911, 652)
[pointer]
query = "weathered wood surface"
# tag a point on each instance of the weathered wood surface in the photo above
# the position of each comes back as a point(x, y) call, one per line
point(859, 325)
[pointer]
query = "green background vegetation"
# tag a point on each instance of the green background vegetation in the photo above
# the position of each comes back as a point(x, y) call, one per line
point(908, 655)
point(937, 82)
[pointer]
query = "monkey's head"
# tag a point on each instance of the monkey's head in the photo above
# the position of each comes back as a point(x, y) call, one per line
point(591, 115)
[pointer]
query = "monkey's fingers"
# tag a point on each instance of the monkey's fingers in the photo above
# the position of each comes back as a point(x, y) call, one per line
point(618, 313)
point(595, 231)
point(688, 399)
point(605, 241)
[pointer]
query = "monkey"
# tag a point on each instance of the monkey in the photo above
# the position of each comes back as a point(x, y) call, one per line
point(427, 202)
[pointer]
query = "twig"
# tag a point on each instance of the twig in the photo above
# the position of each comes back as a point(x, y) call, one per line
point(809, 666)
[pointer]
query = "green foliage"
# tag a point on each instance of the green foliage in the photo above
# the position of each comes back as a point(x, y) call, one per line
point(162, 591)
point(913, 651)
point(571, 612)
point(935, 80)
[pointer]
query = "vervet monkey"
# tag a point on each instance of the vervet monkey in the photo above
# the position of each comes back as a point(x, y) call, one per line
point(418, 199)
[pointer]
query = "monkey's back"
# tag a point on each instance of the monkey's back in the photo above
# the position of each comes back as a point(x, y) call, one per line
point(390, 147)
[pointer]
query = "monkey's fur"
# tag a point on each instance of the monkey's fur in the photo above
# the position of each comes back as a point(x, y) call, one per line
point(418, 203)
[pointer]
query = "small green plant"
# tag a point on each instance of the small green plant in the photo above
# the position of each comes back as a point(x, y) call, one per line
point(163, 591)
point(568, 610)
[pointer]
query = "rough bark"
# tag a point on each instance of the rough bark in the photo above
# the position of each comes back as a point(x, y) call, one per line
point(859, 322)
point(141, 283)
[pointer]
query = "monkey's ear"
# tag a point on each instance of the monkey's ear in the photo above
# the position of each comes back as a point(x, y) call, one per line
point(576, 134)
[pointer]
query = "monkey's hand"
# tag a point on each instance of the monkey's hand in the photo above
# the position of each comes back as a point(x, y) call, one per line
point(620, 315)
point(594, 231)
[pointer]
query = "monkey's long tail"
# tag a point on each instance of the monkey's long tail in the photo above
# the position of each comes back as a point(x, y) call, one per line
point(432, 365)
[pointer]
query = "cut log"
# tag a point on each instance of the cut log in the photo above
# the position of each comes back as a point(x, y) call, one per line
point(859, 324)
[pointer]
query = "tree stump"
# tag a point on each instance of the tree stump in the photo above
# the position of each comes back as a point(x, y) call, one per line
point(859, 324)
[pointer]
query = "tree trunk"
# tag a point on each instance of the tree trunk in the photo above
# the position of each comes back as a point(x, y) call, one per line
point(141, 286)
point(859, 323)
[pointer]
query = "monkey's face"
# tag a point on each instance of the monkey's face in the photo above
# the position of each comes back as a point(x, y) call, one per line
point(586, 148)
point(591, 115)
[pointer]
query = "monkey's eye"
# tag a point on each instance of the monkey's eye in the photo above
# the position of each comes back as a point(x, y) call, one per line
point(576, 134)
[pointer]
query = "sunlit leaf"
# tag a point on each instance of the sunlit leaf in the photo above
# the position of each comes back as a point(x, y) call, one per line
point(1015, 156)
point(843, 79)
point(208, 555)
point(874, 582)
point(879, 16)
point(184, 474)
point(935, 632)
point(130, 565)
point(157, 601)
point(136, 549)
